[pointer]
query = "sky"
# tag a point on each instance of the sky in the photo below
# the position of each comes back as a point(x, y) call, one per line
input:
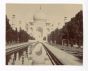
point(54, 13)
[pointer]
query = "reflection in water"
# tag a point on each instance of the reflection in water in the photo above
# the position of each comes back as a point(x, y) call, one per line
point(29, 56)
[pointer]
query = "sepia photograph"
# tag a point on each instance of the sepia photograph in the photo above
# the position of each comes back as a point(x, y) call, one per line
point(44, 34)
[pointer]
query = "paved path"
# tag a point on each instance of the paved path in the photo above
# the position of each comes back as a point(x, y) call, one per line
point(64, 57)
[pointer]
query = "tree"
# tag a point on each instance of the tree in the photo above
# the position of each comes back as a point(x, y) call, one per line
point(14, 35)
point(72, 31)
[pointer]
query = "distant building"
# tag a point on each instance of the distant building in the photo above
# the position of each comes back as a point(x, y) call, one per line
point(40, 30)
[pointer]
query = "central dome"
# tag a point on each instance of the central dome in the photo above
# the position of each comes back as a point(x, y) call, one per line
point(40, 15)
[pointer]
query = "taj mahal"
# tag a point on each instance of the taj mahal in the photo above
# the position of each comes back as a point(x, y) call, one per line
point(40, 29)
